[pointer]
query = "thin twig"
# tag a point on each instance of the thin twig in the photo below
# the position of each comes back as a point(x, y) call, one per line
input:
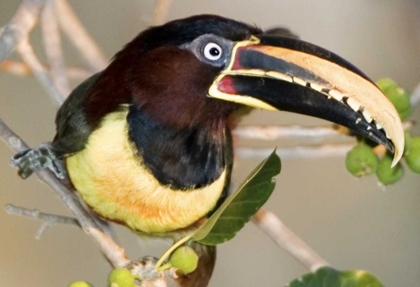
point(80, 37)
point(49, 219)
point(289, 132)
point(297, 152)
point(19, 26)
point(296, 132)
point(113, 252)
point(22, 69)
point(299, 133)
point(161, 11)
point(286, 239)
point(53, 49)
point(28, 56)
point(104, 225)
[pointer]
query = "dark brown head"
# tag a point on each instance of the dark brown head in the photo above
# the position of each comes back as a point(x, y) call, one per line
point(168, 69)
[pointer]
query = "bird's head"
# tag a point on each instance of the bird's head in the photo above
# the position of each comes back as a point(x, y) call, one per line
point(198, 70)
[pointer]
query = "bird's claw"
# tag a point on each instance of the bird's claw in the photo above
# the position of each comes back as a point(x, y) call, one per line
point(39, 158)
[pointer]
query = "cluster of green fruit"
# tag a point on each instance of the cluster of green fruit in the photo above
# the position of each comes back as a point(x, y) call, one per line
point(362, 159)
point(119, 277)
point(184, 259)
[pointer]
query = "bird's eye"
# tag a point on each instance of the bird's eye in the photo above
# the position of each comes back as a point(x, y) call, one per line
point(212, 51)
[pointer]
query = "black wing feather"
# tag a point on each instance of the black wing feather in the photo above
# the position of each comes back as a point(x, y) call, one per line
point(72, 127)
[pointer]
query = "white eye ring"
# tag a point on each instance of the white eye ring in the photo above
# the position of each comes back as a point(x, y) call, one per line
point(212, 51)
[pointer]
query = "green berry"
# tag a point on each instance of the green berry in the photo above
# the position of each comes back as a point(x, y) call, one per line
point(361, 160)
point(386, 174)
point(80, 284)
point(385, 84)
point(413, 155)
point(120, 277)
point(397, 95)
point(185, 259)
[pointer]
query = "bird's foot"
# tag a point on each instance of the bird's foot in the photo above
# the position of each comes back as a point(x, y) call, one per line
point(42, 157)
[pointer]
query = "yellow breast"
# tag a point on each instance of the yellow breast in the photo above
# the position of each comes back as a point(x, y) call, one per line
point(113, 181)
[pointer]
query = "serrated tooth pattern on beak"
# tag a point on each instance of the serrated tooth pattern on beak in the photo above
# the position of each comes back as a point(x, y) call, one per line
point(367, 116)
point(279, 76)
point(353, 104)
point(299, 81)
point(317, 87)
point(336, 95)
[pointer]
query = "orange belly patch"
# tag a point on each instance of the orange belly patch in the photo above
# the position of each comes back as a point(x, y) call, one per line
point(114, 182)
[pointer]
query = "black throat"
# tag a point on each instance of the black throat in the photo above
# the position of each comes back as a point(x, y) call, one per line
point(182, 158)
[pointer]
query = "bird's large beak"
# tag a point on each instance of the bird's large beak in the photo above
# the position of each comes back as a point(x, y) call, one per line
point(278, 73)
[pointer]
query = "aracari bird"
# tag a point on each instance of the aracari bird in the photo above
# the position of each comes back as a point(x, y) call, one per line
point(147, 141)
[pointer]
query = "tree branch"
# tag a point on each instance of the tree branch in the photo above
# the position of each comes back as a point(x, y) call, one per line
point(161, 11)
point(113, 252)
point(80, 37)
point(19, 26)
point(28, 56)
point(289, 132)
point(299, 133)
point(286, 239)
point(22, 69)
point(49, 219)
point(53, 49)
point(297, 152)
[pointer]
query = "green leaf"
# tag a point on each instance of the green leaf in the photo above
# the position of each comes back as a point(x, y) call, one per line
point(238, 208)
point(329, 277)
